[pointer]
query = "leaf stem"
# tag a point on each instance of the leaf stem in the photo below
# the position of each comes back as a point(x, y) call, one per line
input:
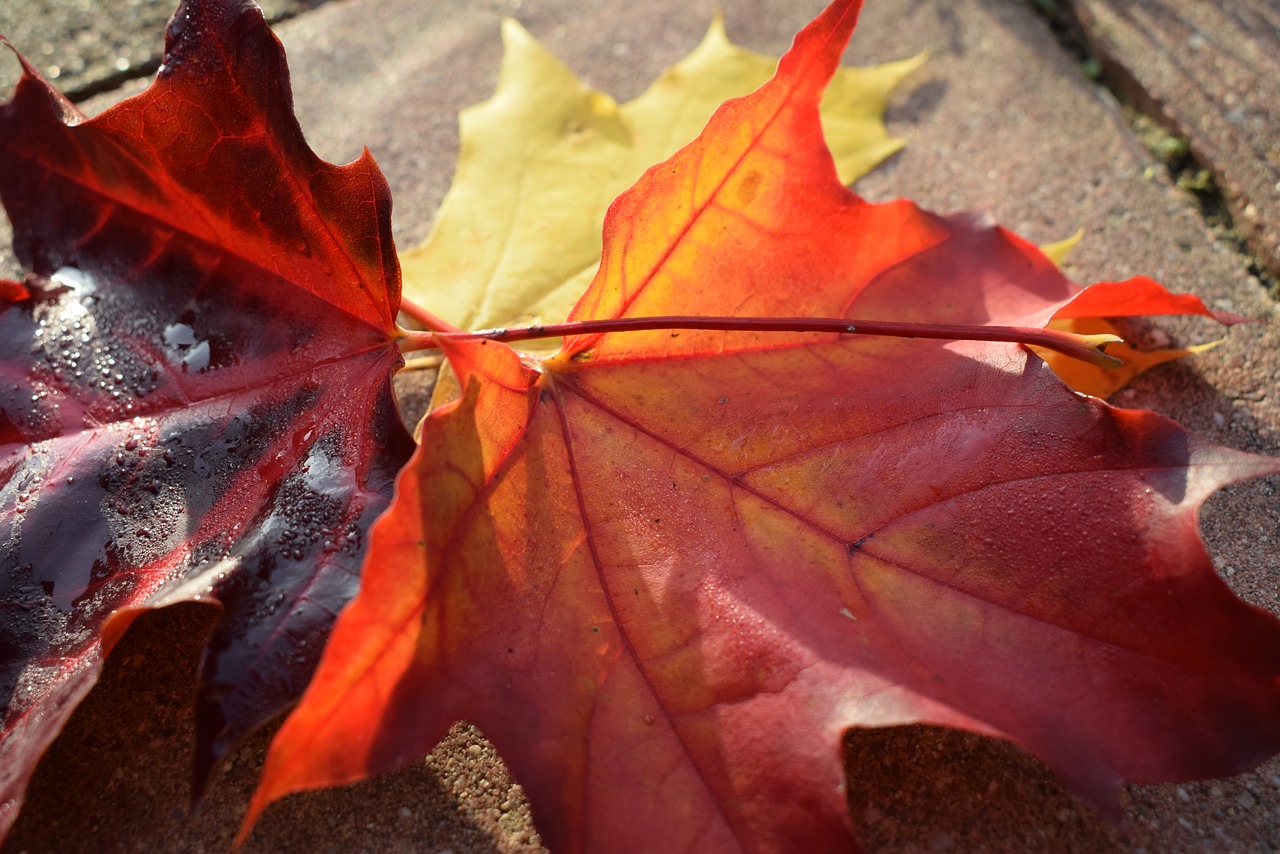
point(1087, 348)
point(424, 318)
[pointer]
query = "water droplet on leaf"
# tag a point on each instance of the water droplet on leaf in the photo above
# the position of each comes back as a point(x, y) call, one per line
point(179, 335)
point(197, 359)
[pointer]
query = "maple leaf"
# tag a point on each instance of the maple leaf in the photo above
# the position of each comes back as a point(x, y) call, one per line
point(663, 571)
point(196, 401)
point(517, 237)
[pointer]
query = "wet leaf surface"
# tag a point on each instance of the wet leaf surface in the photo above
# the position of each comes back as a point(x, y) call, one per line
point(195, 402)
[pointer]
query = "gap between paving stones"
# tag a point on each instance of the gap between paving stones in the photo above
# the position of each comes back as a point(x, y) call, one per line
point(1187, 171)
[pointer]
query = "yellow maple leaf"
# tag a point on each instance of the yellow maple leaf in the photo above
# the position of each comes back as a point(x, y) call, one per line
point(518, 236)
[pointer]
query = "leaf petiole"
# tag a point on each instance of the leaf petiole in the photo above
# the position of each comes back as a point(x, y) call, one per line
point(1086, 348)
point(424, 318)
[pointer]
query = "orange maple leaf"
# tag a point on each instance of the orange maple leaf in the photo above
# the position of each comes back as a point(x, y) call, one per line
point(665, 570)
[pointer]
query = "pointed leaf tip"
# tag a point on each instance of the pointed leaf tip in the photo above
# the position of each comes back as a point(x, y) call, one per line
point(1139, 296)
point(822, 42)
point(1058, 250)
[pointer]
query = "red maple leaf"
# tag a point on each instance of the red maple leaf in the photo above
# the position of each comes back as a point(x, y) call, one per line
point(665, 570)
point(195, 399)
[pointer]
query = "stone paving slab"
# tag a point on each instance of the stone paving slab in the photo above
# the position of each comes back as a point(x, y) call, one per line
point(1210, 72)
point(1000, 118)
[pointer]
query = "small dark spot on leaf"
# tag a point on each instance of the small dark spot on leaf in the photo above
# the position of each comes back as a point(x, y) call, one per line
point(857, 545)
point(749, 188)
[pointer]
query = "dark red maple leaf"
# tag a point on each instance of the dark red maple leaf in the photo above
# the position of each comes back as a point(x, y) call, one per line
point(195, 402)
